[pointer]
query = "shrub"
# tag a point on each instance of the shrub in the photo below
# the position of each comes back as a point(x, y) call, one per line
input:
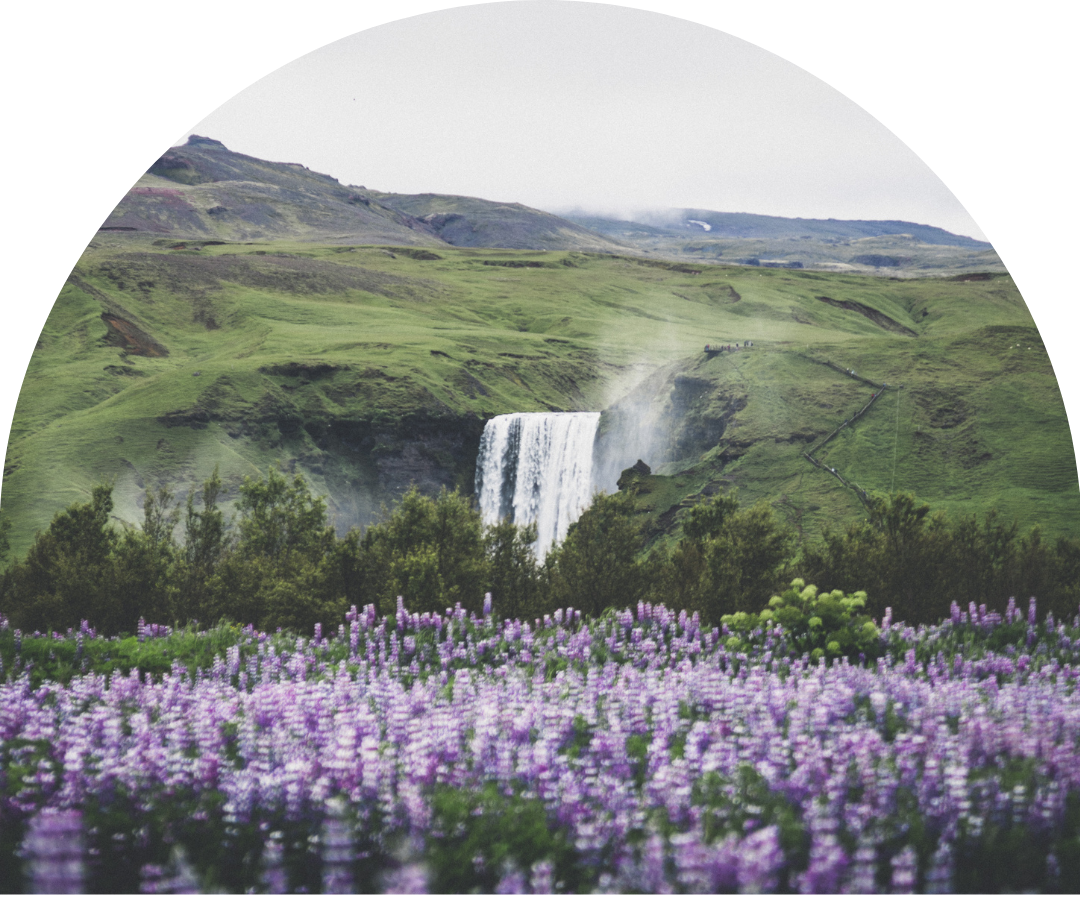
point(828, 625)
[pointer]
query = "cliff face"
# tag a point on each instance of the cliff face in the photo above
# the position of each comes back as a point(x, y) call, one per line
point(368, 465)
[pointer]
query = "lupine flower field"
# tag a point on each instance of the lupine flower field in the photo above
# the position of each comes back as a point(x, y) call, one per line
point(639, 751)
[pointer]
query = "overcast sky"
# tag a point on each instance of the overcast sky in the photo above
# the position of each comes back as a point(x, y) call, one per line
point(581, 105)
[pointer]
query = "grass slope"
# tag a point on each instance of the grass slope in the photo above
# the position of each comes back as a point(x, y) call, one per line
point(369, 368)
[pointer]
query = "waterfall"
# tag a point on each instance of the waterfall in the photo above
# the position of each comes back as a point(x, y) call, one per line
point(537, 467)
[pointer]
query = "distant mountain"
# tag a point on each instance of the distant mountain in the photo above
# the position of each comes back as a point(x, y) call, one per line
point(204, 191)
point(750, 225)
point(470, 222)
point(861, 245)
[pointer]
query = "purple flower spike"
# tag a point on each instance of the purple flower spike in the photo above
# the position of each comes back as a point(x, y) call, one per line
point(512, 882)
point(543, 877)
point(412, 878)
point(274, 877)
point(487, 604)
point(338, 852)
point(1031, 611)
point(54, 848)
point(939, 872)
point(904, 866)
point(760, 861)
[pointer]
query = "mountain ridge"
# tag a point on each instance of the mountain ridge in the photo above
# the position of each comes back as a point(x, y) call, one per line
point(204, 191)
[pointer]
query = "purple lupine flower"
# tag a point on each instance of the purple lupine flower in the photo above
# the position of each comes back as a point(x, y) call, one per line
point(273, 875)
point(487, 604)
point(512, 882)
point(54, 849)
point(862, 876)
point(939, 872)
point(1031, 612)
point(337, 851)
point(760, 861)
point(155, 879)
point(411, 878)
point(904, 871)
point(1053, 870)
point(542, 879)
point(151, 879)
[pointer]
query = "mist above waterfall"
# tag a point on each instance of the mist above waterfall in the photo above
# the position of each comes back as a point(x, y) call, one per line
point(537, 467)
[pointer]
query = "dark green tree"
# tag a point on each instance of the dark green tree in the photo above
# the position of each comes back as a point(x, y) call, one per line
point(206, 540)
point(596, 567)
point(69, 573)
point(514, 578)
point(729, 559)
point(280, 573)
point(148, 562)
point(429, 550)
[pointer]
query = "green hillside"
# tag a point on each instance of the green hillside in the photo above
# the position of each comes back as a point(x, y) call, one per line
point(369, 368)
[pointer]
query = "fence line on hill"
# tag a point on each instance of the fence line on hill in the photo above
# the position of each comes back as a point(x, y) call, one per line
point(880, 387)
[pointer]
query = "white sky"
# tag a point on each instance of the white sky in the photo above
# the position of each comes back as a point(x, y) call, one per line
point(582, 105)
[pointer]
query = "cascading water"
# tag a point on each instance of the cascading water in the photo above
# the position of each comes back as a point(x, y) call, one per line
point(537, 467)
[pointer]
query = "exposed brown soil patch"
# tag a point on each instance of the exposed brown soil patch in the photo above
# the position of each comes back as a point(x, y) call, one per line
point(876, 316)
point(122, 333)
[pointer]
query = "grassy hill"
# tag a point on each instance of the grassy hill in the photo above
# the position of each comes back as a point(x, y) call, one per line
point(372, 367)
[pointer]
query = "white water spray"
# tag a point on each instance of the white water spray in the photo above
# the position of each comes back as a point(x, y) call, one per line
point(537, 467)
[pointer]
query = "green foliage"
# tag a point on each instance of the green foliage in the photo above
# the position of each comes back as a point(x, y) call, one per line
point(597, 566)
point(5, 543)
point(48, 659)
point(735, 804)
point(477, 835)
point(69, 573)
point(823, 625)
point(205, 544)
point(280, 572)
point(728, 559)
point(430, 550)
point(148, 562)
point(918, 562)
point(514, 578)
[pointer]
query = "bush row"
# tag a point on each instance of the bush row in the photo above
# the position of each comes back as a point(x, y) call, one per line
point(280, 564)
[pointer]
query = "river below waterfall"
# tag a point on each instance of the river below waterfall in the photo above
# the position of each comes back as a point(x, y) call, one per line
point(537, 467)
